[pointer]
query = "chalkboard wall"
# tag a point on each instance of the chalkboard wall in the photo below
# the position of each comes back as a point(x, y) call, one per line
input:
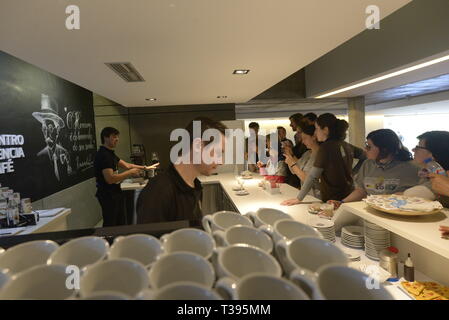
point(47, 130)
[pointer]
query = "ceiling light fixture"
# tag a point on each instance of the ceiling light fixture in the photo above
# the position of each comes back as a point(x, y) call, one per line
point(151, 99)
point(222, 97)
point(387, 76)
point(241, 71)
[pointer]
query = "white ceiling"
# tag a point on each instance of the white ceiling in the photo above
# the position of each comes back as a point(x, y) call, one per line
point(186, 50)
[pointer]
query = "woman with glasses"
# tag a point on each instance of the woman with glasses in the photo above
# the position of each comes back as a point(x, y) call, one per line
point(434, 145)
point(388, 170)
point(333, 163)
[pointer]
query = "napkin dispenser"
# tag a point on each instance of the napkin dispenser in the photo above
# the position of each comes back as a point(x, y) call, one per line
point(389, 261)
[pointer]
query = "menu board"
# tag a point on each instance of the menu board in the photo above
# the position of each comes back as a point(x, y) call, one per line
point(47, 130)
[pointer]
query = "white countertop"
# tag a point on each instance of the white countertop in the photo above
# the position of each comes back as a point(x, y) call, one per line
point(125, 186)
point(42, 223)
point(422, 230)
point(258, 198)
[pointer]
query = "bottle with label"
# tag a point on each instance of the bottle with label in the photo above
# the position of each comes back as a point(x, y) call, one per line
point(13, 215)
point(409, 270)
point(431, 166)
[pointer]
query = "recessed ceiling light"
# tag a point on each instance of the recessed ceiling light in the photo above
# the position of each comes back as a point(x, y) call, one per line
point(151, 99)
point(241, 71)
point(222, 97)
point(387, 76)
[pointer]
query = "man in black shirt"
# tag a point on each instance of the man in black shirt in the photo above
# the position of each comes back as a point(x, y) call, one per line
point(106, 165)
point(176, 194)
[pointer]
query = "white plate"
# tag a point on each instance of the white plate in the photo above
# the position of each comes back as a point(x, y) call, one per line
point(322, 223)
point(242, 193)
point(354, 231)
point(354, 243)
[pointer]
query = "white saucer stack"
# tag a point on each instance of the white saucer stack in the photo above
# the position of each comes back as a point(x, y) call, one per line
point(376, 239)
point(325, 227)
point(353, 237)
point(353, 255)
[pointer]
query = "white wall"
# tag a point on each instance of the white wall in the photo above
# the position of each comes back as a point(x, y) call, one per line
point(411, 126)
point(373, 123)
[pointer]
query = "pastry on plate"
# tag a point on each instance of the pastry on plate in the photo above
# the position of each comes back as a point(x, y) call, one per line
point(414, 288)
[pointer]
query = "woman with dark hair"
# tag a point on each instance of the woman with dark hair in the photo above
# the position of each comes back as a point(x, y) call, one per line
point(303, 166)
point(434, 145)
point(389, 168)
point(274, 169)
point(333, 163)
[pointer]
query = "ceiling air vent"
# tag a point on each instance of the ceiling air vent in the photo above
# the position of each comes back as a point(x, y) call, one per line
point(126, 71)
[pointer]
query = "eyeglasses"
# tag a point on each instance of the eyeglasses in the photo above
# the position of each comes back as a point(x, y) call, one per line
point(368, 147)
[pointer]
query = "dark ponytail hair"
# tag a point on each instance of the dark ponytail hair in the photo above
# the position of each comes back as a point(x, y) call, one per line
point(308, 129)
point(337, 128)
point(389, 144)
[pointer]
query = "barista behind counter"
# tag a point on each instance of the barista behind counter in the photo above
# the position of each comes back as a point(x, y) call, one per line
point(108, 179)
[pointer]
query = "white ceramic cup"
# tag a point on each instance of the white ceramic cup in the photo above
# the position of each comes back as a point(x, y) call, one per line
point(80, 252)
point(243, 235)
point(122, 275)
point(43, 282)
point(4, 278)
point(189, 240)
point(338, 282)
point(180, 291)
point(239, 260)
point(257, 286)
point(140, 247)
point(107, 295)
point(27, 255)
point(179, 267)
point(287, 229)
point(308, 254)
point(267, 216)
point(223, 220)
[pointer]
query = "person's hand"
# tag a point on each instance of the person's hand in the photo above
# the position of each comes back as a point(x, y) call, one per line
point(290, 202)
point(153, 166)
point(335, 203)
point(289, 159)
point(288, 150)
point(135, 172)
point(260, 164)
point(440, 183)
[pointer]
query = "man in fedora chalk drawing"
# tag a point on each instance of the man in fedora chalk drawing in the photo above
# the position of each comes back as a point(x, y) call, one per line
point(51, 127)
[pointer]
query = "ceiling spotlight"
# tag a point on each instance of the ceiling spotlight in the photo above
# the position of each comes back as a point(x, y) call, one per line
point(222, 97)
point(151, 99)
point(241, 71)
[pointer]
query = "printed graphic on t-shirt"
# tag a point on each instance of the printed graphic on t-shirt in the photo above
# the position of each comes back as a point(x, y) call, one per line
point(380, 185)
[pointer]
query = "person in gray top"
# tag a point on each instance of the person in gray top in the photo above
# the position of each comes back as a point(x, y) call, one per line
point(388, 170)
point(301, 167)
